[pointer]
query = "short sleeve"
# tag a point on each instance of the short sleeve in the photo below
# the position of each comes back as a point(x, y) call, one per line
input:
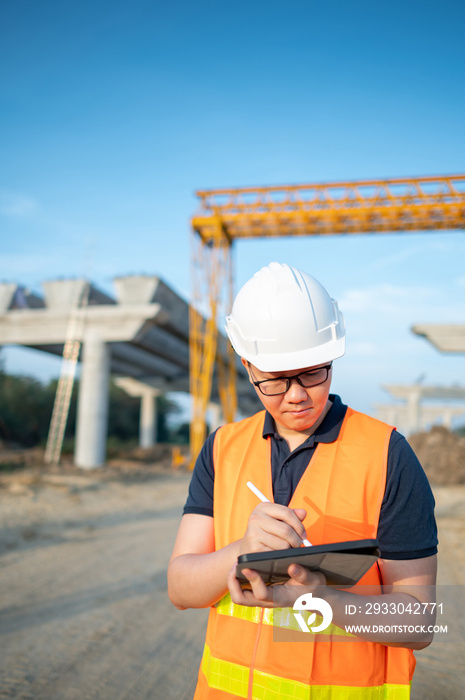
point(200, 497)
point(407, 526)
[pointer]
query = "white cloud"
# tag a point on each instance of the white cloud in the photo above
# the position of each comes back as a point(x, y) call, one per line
point(384, 298)
point(17, 264)
point(17, 205)
point(402, 303)
point(397, 257)
point(363, 348)
point(426, 247)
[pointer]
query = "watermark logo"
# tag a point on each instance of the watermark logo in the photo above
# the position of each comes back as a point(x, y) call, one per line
point(307, 602)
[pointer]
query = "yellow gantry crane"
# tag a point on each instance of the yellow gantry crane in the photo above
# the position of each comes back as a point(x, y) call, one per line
point(227, 215)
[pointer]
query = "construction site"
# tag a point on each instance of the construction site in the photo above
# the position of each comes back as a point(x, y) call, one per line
point(85, 539)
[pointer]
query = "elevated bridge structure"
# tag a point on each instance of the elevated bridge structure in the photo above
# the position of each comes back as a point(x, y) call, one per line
point(445, 337)
point(142, 335)
point(227, 215)
point(413, 414)
point(398, 416)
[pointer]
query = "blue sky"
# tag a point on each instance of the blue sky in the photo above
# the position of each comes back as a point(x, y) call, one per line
point(112, 114)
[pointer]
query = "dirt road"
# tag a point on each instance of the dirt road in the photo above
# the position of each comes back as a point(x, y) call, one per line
point(84, 612)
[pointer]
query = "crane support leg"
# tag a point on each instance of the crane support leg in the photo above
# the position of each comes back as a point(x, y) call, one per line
point(211, 277)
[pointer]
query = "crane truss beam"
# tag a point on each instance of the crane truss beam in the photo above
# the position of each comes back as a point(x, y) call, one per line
point(366, 206)
point(226, 215)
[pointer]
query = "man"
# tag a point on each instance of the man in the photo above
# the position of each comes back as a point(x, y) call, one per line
point(331, 474)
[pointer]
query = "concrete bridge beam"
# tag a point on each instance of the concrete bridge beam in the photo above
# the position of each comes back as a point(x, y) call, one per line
point(7, 292)
point(447, 337)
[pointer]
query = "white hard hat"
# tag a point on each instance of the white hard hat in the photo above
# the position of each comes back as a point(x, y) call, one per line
point(284, 319)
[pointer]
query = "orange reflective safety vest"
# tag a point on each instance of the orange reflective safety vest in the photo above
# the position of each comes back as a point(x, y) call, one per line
point(342, 492)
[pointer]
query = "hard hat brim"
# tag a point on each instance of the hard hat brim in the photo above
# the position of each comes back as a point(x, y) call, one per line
point(297, 360)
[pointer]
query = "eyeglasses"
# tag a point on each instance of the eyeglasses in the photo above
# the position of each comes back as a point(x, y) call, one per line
point(280, 385)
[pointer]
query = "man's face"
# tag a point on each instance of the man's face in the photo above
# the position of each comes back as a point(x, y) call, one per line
point(299, 408)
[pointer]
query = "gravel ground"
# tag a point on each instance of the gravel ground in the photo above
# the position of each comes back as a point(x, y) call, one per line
point(84, 612)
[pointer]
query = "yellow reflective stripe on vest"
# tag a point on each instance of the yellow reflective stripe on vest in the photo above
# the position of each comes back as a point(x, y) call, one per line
point(234, 679)
point(279, 617)
point(225, 606)
point(224, 675)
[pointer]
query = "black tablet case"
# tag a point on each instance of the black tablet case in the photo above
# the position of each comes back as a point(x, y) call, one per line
point(342, 563)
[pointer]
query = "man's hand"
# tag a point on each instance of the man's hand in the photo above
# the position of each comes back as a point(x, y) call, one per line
point(279, 596)
point(272, 526)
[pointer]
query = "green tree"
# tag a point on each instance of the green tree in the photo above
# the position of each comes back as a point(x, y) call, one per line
point(26, 408)
point(123, 415)
point(166, 409)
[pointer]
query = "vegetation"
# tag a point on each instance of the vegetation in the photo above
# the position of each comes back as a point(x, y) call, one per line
point(26, 408)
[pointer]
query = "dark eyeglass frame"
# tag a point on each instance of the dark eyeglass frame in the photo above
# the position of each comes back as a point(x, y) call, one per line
point(288, 380)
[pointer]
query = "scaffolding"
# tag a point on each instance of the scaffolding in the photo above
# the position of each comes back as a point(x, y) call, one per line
point(212, 284)
point(227, 215)
point(71, 350)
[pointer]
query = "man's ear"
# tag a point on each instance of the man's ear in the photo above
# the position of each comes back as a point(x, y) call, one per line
point(247, 366)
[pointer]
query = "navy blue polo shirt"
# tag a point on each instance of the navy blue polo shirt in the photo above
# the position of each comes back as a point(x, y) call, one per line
point(407, 526)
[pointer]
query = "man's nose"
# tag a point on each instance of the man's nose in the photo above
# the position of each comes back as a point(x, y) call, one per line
point(296, 391)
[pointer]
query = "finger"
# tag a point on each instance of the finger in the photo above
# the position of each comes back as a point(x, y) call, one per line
point(292, 517)
point(269, 535)
point(280, 521)
point(247, 597)
point(302, 576)
point(259, 593)
point(283, 540)
point(300, 512)
point(260, 590)
point(235, 589)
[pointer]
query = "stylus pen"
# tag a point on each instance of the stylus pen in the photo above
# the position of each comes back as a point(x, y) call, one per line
point(264, 499)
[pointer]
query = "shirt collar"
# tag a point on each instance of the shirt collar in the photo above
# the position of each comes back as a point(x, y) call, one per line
point(328, 431)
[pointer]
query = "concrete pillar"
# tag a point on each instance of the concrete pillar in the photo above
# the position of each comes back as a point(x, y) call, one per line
point(392, 416)
point(215, 416)
point(148, 407)
point(413, 412)
point(92, 412)
point(447, 419)
point(148, 419)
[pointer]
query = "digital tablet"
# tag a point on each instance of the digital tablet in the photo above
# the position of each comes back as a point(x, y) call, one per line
point(342, 563)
